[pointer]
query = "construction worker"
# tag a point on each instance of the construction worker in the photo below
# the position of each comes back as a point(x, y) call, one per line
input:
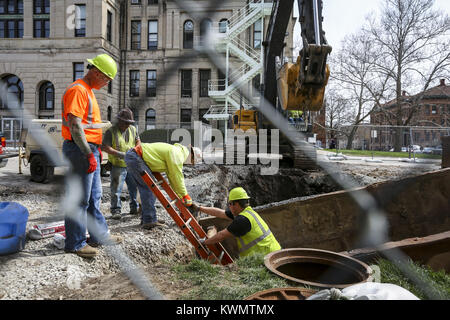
point(160, 157)
point(82, 133)
point(117, 140)
point(252, 233)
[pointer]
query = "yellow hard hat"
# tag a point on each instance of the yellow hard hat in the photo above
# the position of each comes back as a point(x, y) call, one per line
point(105, 64)
point(238, 194)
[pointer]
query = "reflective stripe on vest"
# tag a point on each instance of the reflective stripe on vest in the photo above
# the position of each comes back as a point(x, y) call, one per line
point(89, 124)
point(265, 233)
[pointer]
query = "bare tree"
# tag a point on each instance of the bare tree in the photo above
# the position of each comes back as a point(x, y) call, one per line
point(411, 39)
point(354, 73)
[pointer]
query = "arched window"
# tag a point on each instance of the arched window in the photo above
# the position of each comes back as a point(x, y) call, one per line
point(188, 35)
point(205, 28)
point(223, 25)
point(47, 96)
point(150, 119)
point(109, 116)
point(14, 96)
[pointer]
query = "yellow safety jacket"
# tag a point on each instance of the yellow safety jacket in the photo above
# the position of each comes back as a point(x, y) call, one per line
point(164, 157)
point(119, 143)
point(259, 239)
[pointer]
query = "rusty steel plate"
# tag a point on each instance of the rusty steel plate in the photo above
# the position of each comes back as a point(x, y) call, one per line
point(318, 268)
point(282, 294)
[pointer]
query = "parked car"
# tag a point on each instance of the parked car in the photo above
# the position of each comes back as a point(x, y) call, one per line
point(416, 148)
point(437, 150)
point(428, 150)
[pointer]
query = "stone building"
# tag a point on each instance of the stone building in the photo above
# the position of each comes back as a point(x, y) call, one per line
point(162, 77)
point(430, 118)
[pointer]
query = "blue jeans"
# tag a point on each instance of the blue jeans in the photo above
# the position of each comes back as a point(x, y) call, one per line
point(120, 175)
point(87, 215)
point(135, 166)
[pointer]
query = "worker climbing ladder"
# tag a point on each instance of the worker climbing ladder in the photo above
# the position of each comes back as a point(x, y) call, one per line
point(190, 227)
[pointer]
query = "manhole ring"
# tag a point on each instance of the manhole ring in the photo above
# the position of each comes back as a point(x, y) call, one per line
point(290, 293)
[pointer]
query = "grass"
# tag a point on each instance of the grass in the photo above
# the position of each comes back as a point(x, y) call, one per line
point(438, 282)
point(368, 153)
point(233, 282)
point(249, 275)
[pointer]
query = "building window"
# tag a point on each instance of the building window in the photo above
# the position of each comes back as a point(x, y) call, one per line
point(80, 20)
point(433, 109)
point(223, 25)
point(152, 35)
point(11, 28)
point(185, 121)
point(205, 76)
point(152, 1)
point(109, 115)
point(41, 6)
point(151, 83)
point(188, 35)
point(110, 86)
point(135, 1)
point(14, 96)
point(256, 85)
point(135, 35)
point(78, 70)
point(221, 79)
point(109, 26)
point(47, 96)
point(201, 113)
point(186, 83)
point(41, 28)
point(257, 33)
point(134, 83)
point(205, 28)
point(11, 6)
point(150, 119)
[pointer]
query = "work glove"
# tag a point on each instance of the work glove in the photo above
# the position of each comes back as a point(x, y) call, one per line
point(92, 162)
point(187, 200)
point(195, 206)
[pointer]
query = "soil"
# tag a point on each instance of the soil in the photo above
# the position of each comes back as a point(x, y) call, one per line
point(41, 271)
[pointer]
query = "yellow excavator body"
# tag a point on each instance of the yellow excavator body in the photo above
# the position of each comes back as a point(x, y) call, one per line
point(245, 119)
point(296, 96)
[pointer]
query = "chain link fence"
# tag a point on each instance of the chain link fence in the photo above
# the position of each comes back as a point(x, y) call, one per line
point(374, 225)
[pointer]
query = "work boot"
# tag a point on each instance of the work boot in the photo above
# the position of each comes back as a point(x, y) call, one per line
point(113, 240)
point(117, 216)
point(86, 252)
point(151, 225)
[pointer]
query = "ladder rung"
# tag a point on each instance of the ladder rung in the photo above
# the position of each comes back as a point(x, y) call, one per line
point(221, 256)
point(172, 202)
point(186, 224)
point(160, 182)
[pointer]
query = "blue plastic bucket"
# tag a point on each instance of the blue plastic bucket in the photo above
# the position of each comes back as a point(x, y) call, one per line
point(13, 224)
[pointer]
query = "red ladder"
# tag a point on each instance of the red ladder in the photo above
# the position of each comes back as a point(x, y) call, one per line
point(192, 230)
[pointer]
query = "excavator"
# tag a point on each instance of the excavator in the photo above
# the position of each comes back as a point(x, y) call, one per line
point(298, 86)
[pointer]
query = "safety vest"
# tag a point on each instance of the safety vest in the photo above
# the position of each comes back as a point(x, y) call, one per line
point(259, 239)
point(119, 143)
point(79, 100)
point(164, 157)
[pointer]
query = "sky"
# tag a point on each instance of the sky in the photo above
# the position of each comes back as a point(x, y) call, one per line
point(341, 17)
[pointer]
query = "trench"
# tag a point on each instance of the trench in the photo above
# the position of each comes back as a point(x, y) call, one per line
point(287, 184)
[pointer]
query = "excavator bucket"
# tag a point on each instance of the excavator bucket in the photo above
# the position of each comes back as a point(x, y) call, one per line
point(296, 96)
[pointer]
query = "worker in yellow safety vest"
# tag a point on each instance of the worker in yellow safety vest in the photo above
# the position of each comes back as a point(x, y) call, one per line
point(117, 140)
point(160, 157)
point(251, 231)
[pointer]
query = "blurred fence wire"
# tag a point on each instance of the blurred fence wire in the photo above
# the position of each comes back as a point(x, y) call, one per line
point(373, 230)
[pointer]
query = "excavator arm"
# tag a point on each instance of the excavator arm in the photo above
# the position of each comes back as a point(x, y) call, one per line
point(300, 86)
